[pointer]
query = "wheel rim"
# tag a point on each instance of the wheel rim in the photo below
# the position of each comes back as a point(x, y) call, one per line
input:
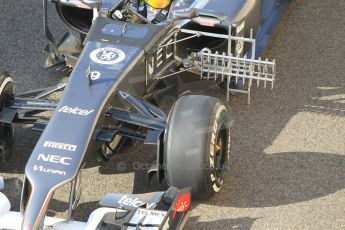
point(220, 155)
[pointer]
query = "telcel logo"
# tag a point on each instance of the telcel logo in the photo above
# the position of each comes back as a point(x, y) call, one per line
point(54, 159)
point(76, 111)
point(134, 202)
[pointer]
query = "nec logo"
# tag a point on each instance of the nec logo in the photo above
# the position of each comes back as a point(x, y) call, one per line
point(54, 159)
point(57, 145)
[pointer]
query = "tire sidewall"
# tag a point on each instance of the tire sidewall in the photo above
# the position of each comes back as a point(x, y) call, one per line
point(6, 130)
point(218, 120)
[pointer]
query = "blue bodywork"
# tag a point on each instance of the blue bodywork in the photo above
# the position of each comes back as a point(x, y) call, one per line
point(271, 13)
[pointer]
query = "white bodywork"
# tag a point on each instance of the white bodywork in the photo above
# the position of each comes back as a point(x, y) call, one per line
point(13, 220)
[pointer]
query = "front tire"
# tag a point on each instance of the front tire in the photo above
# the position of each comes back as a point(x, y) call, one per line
point(6, 130)
point(197, 145)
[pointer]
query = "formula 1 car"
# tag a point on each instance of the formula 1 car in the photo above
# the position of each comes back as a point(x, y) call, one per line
point(123, 68)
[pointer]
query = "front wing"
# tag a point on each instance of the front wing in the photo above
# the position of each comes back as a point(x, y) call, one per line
point(150, 211)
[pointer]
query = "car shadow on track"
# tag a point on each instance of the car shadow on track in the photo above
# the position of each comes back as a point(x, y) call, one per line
point(286, 146)
point(135, 158)
point(78, 213)
point(270, 165)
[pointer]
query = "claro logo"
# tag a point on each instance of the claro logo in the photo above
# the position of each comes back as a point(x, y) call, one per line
point(75, 111)
point(54, 159)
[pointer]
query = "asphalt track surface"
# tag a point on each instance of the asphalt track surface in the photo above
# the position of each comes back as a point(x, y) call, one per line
point(287, 169)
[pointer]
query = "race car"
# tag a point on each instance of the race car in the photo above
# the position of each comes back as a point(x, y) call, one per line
point(123, 67)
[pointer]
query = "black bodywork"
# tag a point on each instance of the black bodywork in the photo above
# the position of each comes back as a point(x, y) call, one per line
point(99, 95)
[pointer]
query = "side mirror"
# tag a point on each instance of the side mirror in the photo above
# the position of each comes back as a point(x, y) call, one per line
point(93, 3)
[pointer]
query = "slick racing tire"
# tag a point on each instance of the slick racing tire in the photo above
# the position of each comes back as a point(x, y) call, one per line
point(6, 130)
point(6, 90)
point(197, 145)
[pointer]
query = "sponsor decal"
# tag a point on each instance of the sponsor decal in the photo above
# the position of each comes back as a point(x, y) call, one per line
point(95, 75)
point(107, 56)
point(134, 202)
point(75, 111)
point(182, 204)
point(163, 54)
point(216, 184)
point(153, 213)
point(180, 3)
point(182, 10)
point(76, 3)
point(145, 217)
point(54, 159)
point(213, 143)
point(57, 145)
point(79, 4)
point(205, 21)
point(42, 169)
